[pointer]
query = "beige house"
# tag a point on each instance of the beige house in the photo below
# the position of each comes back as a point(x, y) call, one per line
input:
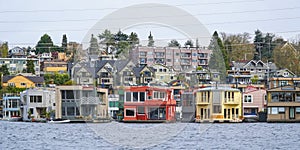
point(284, 104)
point(164, 73)
point(81, 102)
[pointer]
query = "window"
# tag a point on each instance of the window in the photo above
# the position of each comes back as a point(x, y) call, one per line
point(216, 108)
point(248, 99)
point(11, 84)
point(23, 84)
point(70, 111)
point(281, 109)
point(142, 96)
point(35, 99)
point(128, 97)
point(141, 110)
point(135, 96)
point(298, 110)
point(130, 112)
point(274, 110)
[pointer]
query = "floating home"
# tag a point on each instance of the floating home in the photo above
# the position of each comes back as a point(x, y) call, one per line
point(218, 104)
point(148, 104)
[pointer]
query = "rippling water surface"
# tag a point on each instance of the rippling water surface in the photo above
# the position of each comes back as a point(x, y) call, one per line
point(20, 135)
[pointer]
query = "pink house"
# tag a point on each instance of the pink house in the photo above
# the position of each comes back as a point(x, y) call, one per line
point(254, 101)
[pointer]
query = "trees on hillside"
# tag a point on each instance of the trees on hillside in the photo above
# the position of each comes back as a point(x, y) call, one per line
point(30, 67)
point(4, 50)
point(173, 43)
point(150, 40)
point(45, 44)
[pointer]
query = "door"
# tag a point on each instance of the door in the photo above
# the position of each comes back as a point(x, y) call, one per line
point(292, 113)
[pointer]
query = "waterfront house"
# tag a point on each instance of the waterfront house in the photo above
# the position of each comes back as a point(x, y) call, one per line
point(254, 101)
point(218, 104)
point(146, 103)
point(20, 81)
point(188, 105)
point(37, 102)
point(113, 105)
point(81, 102)
point(284, 104)
point(11, 105)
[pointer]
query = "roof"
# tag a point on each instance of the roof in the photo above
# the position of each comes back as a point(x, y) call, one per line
point(219, 88)
point(35, 79)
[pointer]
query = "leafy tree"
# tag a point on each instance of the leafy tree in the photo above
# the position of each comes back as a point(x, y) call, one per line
point(150, 40)
point(30, 67)
point(238, 46)
point(64, 43)
point(286, 56)
point(4, 70)
point(94, 47)
point(189, 43)
point(3, 50)
point(174, 43)
point(60, 79)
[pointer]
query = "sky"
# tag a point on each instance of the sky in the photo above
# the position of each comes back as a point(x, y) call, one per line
point(22, 23)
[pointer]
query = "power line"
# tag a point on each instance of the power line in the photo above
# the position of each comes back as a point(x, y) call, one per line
point(115, 8)
point(165, 16)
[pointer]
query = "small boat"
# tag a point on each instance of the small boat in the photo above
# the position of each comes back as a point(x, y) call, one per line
point(14, 119)
point(59, 121)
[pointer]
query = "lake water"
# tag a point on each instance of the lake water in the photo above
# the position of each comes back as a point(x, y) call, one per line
point(21, 135)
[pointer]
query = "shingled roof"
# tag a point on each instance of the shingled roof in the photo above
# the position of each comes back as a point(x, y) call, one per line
point(35, 79)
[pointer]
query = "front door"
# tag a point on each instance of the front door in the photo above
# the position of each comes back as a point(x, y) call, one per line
point(292, 113)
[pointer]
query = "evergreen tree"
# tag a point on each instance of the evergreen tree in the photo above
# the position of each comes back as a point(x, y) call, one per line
point(94, 47)
point(150, 40)
point(4, 70)
point(216, 62)
point(64, 43)
point(30, 67)
point(197, 43)
point(45, 44)
point(189, 43)
point(133, 39)
point(222, 49)
point(108, 39)
point(173, 43)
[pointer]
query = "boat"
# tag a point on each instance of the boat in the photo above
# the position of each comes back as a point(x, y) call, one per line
point(14, 119)
point(59, 121)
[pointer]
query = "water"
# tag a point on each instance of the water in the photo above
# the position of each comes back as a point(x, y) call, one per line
point(21, 135)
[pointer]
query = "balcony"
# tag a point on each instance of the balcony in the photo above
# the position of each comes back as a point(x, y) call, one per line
point(203, 103)
point(90, 101)
point(230, 101)
point(186, 56)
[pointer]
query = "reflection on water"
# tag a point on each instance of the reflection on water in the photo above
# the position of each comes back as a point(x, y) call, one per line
point(19, 135)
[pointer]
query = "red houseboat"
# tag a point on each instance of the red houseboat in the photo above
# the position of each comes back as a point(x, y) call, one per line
point(148, 104)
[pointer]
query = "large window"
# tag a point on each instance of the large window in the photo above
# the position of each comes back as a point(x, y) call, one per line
point(35, 99)
point(142, 96)
point(128, 97)
point(129, 112)
point(216, 108)
point(248, 99)
point(135, 96)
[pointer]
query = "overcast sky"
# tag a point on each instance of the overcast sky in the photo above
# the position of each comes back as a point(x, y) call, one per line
point(22, 23)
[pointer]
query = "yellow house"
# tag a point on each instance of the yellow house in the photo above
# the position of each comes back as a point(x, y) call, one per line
point(21, 81)
point(218, 104)
point(54, 66)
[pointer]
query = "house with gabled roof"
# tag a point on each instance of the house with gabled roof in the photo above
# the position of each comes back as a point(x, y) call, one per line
point(21, 81)
point(257, 68)
point(143, 74)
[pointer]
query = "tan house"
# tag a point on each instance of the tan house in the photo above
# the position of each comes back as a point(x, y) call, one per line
point(284, 104)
